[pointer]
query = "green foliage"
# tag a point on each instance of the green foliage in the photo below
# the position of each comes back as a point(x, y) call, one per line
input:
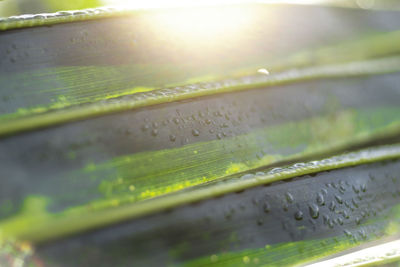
point(136, 144)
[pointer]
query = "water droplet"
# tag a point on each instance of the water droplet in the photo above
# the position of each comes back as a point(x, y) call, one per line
point(330, 223)
point(363, 187)
point(275, 170)
point(325, 218)
point(266, 207)
point(347, 233)
point(247, 176)
point(342, 186)
point(355, 189)
point(314, 211)
point(39, 17)
point(217, 114)
point(367, 211)
point(345, 214)
point(285, 207)
point(289, 197)
point(299, 165)
point(298, 215)
point(362, 234)
point(338, 199)
point(195, 132)
point(320, 199)
point(145, 127)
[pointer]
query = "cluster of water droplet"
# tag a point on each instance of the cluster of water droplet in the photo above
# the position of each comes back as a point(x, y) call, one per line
point(28, 20)
point(345, 206)
point(329, 163)
point(332, 205)
point(213, 122)
point(13, 53)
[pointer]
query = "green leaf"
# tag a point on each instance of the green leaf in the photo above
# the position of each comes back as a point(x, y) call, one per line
point(126, 140)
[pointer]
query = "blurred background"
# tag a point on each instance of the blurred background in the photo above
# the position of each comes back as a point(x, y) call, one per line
point(17, 7)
